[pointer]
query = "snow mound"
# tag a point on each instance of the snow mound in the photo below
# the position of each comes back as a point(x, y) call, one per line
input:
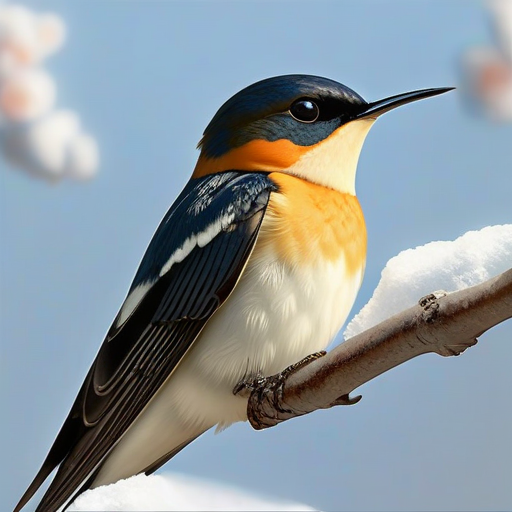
point(449, 266)
point(174, 492)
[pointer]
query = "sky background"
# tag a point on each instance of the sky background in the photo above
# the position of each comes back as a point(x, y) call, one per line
point(146, 77)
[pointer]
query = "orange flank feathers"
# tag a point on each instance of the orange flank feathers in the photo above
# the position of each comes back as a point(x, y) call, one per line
point(256, 155)
point(314, 223)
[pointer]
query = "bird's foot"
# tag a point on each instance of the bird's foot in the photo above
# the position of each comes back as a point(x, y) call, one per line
point(257, 381)
point(248, 384)
point(303, 362)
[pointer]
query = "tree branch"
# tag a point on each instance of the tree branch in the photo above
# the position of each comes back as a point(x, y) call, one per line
point(446, 324)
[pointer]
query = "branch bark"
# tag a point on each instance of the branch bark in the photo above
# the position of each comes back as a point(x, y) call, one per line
point(446, 325)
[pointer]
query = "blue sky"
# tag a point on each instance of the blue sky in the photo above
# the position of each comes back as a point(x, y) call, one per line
point(146, 77)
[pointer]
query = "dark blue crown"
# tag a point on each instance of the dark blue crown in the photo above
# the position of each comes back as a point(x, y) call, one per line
point(244, 116)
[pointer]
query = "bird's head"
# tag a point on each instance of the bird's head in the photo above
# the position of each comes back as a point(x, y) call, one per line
point(302, 125)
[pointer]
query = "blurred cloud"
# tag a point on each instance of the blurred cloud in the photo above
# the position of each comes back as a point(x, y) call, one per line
point(46, 143)
point(488, 69)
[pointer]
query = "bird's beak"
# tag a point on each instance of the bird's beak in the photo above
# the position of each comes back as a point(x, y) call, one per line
point(377, 108)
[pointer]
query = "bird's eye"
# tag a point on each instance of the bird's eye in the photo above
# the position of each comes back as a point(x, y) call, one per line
point(305, 111)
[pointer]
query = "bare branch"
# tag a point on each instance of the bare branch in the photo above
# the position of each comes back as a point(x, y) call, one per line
point(446, 325)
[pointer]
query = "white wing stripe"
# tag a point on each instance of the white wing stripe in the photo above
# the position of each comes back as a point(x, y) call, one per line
point(200, 239)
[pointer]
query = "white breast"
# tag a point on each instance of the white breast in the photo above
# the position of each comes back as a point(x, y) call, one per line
point(276, 315)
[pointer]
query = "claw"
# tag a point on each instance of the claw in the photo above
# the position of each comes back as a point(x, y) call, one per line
point(248, 384)
point(347, 400)
point(255, 381)
point(303, 362)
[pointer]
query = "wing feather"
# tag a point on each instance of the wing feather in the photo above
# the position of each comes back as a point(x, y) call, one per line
point(216, 219)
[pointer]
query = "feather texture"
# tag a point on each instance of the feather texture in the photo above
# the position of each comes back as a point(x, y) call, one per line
point(213, 226)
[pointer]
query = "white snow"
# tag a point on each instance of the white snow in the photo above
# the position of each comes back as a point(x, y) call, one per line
point(36, 138)
point(449, 266)
point(174, 492)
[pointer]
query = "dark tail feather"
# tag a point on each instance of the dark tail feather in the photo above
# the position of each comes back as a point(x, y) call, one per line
point(56, 455)
point(41, 476)
point(163, 460)
point(58, 495)
point(52, 501)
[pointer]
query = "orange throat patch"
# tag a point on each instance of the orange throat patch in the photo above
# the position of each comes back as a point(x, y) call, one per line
point(310, 224)
point(256, 155)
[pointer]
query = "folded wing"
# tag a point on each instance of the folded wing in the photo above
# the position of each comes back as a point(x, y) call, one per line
point(190, 267)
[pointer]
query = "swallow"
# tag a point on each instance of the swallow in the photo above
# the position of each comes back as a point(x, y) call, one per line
point(255, 266)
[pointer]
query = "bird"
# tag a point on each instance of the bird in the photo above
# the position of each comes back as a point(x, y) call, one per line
point(254, 267)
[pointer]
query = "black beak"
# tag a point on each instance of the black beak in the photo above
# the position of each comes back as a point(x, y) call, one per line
point(377, 108)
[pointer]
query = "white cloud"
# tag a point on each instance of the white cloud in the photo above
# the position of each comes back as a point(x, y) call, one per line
point(171, 492)
point(501, 11)
point(34, 137)
point(53, 147)
point(449, 266)
point(83, 157)
point(51, 33)
point(49, 139)
point(26, 95)
point(27, 38)
point(489, 81)
point(488, 69)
